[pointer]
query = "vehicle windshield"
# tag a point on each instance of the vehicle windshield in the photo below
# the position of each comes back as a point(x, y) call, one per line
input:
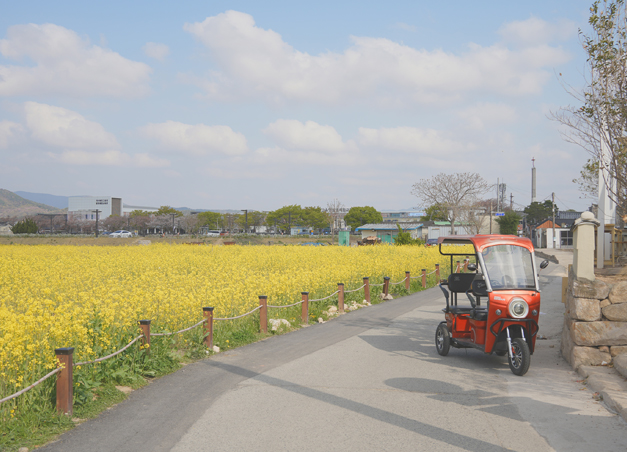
point(509, 267)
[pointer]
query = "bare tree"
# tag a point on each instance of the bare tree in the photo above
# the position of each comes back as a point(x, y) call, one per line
point(598, 123)
point(336, 211)
point(190, 223)
point(456, 192)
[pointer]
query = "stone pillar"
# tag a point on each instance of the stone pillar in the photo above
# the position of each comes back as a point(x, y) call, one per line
point(583, 246)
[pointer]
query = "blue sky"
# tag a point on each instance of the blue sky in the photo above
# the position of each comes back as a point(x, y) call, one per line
point(256, 105)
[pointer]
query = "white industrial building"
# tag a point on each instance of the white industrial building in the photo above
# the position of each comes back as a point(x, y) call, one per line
point(85, 207)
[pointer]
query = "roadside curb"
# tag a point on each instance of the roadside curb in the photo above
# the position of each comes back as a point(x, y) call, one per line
point(609, 384)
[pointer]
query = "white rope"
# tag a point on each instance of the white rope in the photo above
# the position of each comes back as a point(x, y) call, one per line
point(111, 355)
point(355, 290)
point(431, 272)
point(19, 393)
point(178, 332)
point(287, 305)
point(325, 298)
point(377, 285)
point(395, 283)
point(240, 316)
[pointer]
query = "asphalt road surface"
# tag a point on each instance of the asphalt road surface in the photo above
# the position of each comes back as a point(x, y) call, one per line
point(369, 380)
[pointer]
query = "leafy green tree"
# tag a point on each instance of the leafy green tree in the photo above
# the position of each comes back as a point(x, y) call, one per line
point(537, 212)
point(358, 216)
point(284, 217)
point(508, 223)
point(436, 212)
point(167, 210)
point(210, 219)
point(315, 218)
point(405, 238)
point(26, 226)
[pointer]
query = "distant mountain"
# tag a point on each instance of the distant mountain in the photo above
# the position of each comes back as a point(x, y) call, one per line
point(60, 202)
point(12, 205)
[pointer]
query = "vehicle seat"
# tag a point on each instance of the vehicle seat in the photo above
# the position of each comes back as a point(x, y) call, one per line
point(460, 282)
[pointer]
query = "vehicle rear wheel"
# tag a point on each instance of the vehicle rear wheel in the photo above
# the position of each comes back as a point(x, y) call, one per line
point(442, 339)
point(521, 357)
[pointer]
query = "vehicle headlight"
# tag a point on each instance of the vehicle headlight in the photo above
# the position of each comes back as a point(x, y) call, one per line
point(518, 308)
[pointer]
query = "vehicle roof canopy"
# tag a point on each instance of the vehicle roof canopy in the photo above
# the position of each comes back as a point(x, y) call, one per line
point(481, 241)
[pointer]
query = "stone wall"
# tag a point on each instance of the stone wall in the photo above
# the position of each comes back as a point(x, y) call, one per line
point(595, 322)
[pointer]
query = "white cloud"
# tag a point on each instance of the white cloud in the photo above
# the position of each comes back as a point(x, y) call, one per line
point(428, 142)
point(199, 139)
point(535, 31)
point(487, 114)
point(8, 132)
point(156, 50)
point(108, 158)
point(310, 136)
point(257, 63)
point(66, 64)
point(59, 127)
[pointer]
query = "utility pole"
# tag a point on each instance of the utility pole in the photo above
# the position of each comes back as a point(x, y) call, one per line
point(289, 216)
point(490, 217)
point(246, 216)
point(173, 215)
point(511, 201)
point(498, 195)
point(97, 212)
point(553, 208)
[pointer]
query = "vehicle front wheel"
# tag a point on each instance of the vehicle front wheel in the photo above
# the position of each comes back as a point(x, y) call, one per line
point(442, 339)
point(520, 357)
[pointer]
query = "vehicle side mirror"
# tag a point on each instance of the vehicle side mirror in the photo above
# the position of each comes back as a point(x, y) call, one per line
point(472, 267)
point(544, 264)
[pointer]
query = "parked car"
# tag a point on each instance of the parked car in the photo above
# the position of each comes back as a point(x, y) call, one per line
point(213, 233)
point(431, 242)
point(121, 234)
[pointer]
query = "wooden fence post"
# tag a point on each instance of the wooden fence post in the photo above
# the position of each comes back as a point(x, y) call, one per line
point(145, 341)
point(407, 280)
point(367, 289)
point(340, 298)
point(386, 285)
point(65, 381)
point(458, 267)
point(424, 278)
point(208, 315)
point(304, 313)
point(466, 264)
point(263, 314)
point(437, 273)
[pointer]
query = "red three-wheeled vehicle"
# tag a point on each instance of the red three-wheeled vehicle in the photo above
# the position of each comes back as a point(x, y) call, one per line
point(504, 294)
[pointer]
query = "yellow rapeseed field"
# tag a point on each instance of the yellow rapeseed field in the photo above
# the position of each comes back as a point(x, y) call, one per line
point(91, 298)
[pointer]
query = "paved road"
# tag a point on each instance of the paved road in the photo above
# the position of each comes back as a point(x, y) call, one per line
point(369, 380)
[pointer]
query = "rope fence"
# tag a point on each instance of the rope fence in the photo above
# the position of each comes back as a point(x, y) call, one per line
point(65, 365)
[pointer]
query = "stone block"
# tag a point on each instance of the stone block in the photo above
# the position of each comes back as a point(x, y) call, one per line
point(566, 346)
point(620, 364)
point(589, 356)
point(618, 350)
point(594, 334)
point(616, 312)
point(584, 288)
point(586, 309)
point(605, 303)
point(618, 294)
